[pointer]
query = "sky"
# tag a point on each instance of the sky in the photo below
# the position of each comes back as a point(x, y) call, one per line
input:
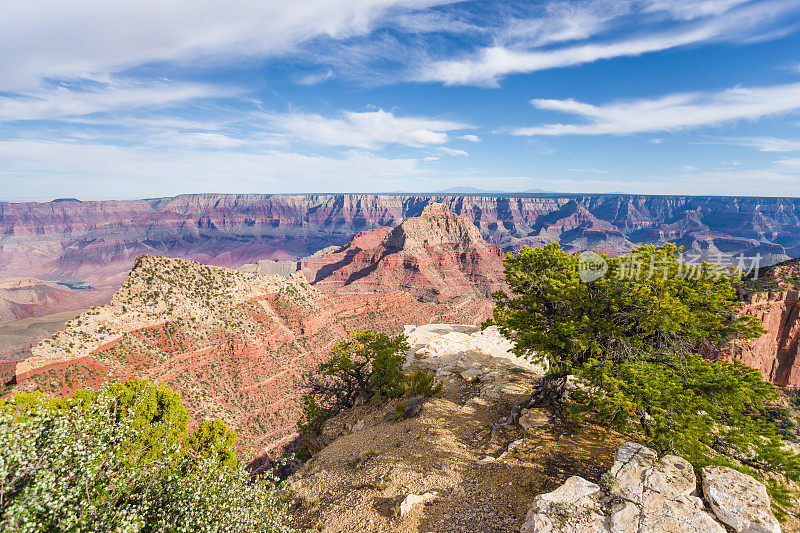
point(111, 99)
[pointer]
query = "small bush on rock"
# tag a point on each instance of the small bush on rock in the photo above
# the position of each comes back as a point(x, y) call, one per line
point(371, 363)
point(421, 383)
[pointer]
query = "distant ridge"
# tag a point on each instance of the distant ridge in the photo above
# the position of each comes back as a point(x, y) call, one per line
point(475, 190)
point(97, 242)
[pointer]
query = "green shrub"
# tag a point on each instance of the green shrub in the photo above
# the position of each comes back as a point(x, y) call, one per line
point(369, 364)
point(399, 410)
point(89, 463)
point(421, 383)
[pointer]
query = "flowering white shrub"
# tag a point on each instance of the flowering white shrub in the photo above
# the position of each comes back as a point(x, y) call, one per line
point(70, 466)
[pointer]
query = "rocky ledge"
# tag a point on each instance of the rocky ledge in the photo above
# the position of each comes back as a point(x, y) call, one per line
point(645, 494)
point(438, 469)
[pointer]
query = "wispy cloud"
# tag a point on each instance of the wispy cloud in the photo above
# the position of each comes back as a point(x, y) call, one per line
point(792, 163)
point(366, 130)
point(42, 38)
point(59, 101)
point(764, 144)
point(452, 151)
point(692, 9)
point(722, 20)
point(671, 112)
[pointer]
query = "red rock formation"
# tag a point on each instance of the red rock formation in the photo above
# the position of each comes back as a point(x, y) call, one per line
point(437, 256)
point(774, 353)
point(231, 344)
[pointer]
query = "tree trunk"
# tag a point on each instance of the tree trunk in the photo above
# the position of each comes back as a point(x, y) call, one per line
point(548, 393)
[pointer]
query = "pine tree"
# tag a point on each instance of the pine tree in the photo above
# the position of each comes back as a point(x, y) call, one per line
point(630, 330)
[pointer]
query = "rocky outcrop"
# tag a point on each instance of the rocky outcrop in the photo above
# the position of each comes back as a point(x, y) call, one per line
point(230, 343)
point(739, 501)
point(646, 494)
point(437, 256)
point(376, 470)
point(270, 267)
point(775, 353)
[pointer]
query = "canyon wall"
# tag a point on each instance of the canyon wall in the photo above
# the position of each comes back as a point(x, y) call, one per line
point(774, 353)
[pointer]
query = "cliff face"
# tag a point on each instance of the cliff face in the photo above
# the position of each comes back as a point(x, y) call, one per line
point(97, 242)
point(437, 256)
point(774, 353)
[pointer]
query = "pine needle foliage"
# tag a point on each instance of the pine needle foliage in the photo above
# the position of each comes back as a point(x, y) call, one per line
point(632, 338)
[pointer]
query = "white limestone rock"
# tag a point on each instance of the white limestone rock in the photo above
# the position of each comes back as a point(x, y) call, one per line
point(414, 501)
point(653, 496)
point(739, 501)
point(574, 507)
point(632, 463)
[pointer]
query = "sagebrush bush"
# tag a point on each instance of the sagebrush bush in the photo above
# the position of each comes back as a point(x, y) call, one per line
point(421, 383)
point(113, 461)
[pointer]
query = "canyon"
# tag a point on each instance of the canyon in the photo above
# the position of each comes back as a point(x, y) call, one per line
point(93, 244)
point(233, 343)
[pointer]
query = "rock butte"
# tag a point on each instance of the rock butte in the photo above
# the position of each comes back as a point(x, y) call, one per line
point(232, 343)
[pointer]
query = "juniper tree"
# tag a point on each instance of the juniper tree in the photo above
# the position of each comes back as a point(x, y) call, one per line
point(630, 331)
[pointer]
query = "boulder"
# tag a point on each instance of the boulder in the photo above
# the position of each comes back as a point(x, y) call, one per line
point(574, 507)
point(632, 464)
point(739, 501)
point(413, 501)
point(653, 495)
point(672, 477)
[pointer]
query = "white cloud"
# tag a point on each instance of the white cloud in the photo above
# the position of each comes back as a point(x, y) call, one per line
point(175, 139)
point(692, 9)
point(561, 22)
point(671, 112)
point(119, 171)
point(367, 130)
point(63, 102)
point(315, 77)
point(50, 38)
point(588, 170)
point(452, 151)
point(766, 144)
point(792, 163)
point(487, 65)
point(470, 138)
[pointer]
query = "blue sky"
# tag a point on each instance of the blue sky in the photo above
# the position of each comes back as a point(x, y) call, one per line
point(141, 99)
